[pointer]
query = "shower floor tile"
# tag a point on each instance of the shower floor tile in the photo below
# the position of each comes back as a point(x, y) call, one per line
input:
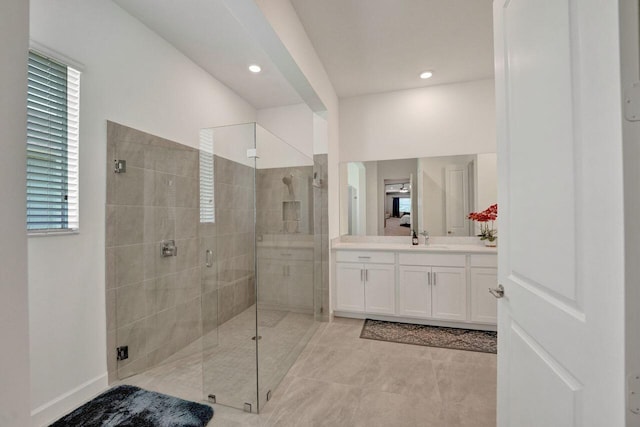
point(223, 362)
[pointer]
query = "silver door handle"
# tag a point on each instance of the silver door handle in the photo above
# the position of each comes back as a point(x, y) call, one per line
point(429, 278)
point(209, 258)
point(434, 278)
point(364, 257)
point(497, 292)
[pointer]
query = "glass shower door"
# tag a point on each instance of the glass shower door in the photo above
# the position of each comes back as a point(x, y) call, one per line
point(285, 258)
point(229, 369)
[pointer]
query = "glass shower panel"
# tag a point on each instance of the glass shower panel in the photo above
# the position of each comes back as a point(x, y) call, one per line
point(285, 258)
point(227, 248)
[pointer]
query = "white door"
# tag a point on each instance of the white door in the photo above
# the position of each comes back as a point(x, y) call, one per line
point(456, 200)
point(414, 284)
point(449, 293)
point(349, 287)
point(561, 320)
point(380, 288)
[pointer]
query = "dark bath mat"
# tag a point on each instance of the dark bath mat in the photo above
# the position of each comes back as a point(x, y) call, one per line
point(432, 336)
point(131, 406)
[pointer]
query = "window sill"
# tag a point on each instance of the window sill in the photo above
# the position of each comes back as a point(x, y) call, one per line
point(46, 233)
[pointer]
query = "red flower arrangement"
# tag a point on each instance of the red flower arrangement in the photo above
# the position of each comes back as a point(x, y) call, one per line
point(489, 214)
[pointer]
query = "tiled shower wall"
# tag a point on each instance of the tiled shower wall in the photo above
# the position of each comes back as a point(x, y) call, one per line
point(229, 285)
point(272, 193)
point(153, 303)
point(156, 305)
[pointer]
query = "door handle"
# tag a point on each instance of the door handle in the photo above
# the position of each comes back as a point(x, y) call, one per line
point(429, 278)
point(209, 258)
point(497, 292)
point(434, 278)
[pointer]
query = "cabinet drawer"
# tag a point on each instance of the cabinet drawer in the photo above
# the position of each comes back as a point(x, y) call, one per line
point(366, 256)
point(484, 261)
point(444, 260)
point(286, 254)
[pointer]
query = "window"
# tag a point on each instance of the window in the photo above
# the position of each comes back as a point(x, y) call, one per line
point(405, 205)
point(207, 201)
point(52, 145)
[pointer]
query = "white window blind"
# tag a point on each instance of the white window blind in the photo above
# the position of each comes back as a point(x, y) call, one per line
point(53, 103)
point(207, 204)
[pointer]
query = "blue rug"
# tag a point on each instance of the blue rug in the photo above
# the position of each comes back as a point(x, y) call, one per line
point(130, 406)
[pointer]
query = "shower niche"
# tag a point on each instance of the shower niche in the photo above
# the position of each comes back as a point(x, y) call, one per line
point(227, 315)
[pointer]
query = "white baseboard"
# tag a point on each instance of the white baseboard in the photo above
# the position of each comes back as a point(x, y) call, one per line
point(54, 409)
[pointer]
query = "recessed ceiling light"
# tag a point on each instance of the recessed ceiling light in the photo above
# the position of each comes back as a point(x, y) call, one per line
point(255, 68)
point(426, 75)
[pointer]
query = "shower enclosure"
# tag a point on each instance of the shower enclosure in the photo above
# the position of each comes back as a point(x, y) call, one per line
point(214, 262)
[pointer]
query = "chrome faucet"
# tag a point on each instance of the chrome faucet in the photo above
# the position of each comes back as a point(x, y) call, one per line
point(425, 234)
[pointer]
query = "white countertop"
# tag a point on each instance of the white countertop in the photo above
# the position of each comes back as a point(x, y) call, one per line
point(436, 247)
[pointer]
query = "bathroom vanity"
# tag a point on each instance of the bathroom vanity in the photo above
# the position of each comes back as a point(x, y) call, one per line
point(437, 284)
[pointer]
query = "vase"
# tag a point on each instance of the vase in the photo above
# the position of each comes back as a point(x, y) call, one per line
point(493, 244)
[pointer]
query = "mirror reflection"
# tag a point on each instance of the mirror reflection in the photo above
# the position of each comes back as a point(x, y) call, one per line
point(434, 194)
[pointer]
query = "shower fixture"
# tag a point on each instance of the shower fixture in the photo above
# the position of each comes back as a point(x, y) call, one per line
point(288, 181)
point(316, 182)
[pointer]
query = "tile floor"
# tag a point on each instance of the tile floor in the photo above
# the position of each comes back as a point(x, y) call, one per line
point(342, 380)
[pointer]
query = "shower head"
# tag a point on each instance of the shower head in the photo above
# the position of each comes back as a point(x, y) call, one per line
point(288, 181)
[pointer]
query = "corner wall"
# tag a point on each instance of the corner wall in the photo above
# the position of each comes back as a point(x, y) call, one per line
point(14, 319)
point(133, 77)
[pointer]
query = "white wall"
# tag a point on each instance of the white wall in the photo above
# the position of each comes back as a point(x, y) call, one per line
point(14, 326)
point(432, 121)
point(486, 180)
point(433, 190)
point(372, 198)
point(293, 124)
point(285, 22)
point(133, 77)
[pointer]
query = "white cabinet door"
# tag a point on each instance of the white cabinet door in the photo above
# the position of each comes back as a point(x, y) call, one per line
point(380, 288)
point(415, 291)
point(349, 287)
point(449, 292)
point(484, 307)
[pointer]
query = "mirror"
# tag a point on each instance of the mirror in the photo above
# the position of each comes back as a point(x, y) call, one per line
point(396, 197)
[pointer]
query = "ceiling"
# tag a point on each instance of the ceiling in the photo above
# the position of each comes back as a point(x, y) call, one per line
point(371, 46)
point(366, 46)
point(207, 33)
